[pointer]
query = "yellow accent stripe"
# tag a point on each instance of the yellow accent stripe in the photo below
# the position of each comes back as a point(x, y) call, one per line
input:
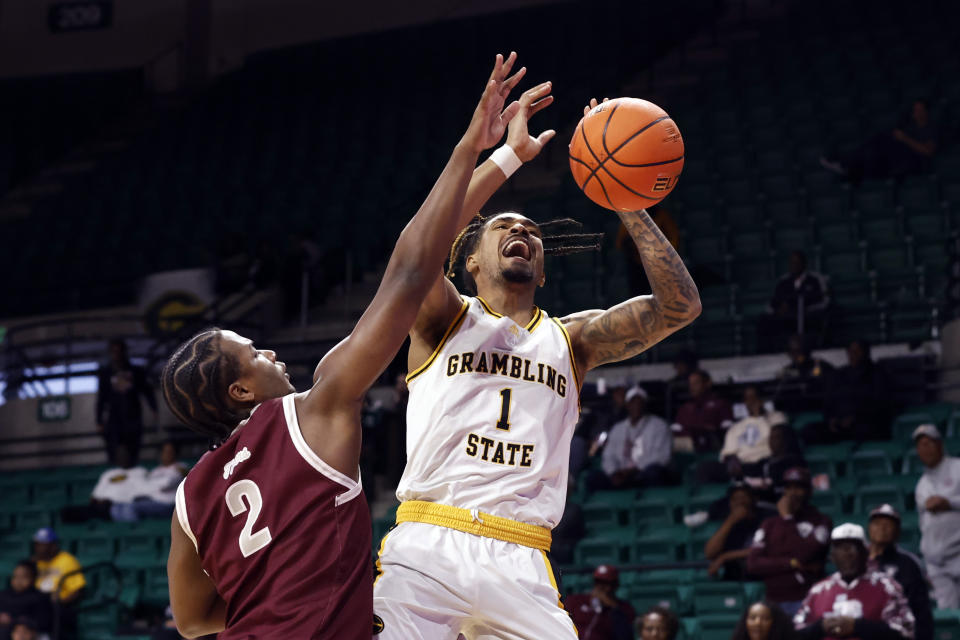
point(486, 525)
point(573, 361)
point(383, 541)
point(446, 336)
point(486, 307)
point(535, 320)
point(553, 580)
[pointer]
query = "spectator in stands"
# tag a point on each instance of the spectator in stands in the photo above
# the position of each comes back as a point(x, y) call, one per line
point(856, 406)
point(803, 378)
point(763, 621)
point(938, 500)
point(23, 600)
point(593, 428)
point(797, 306)
point(785, 454)
point(906, 150)
point(119, 414)
point(637, 452)
point(658, 623)
point(700, 422)
point(746, 445)
point(678, 387)
point(790, 549)
point(902, 566)
point(636, 276)
point(53, 563)
point(729, 546)
point(600, 615)
point(854, 602)
point(128, 493)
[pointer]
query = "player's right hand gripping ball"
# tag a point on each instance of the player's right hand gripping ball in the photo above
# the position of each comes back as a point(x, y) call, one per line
point(626, 154)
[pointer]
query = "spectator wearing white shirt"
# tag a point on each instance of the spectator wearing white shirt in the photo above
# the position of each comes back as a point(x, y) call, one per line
point(746, 445)
point(938, 501)
point(638, 449)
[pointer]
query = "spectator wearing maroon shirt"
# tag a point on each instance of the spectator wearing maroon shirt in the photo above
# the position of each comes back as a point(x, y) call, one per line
point(705, 416)
point(600, 615)
point(789, 549)
point(887, 557)
point(854, 602)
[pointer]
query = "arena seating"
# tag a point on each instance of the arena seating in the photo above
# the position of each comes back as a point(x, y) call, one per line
point(626, 528)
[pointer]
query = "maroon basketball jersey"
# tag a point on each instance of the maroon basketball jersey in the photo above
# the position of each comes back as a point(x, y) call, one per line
point(284, 536)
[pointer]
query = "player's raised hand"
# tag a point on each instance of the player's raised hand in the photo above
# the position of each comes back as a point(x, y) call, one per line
point(518, 137)
point(490, 118)
point(593, 103)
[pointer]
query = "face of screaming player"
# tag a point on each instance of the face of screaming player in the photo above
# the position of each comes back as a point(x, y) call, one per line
point(509, 254)
point(260, 376)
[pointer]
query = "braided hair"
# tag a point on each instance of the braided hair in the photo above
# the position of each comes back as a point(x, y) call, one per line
point(561, 236)
point(195, 382)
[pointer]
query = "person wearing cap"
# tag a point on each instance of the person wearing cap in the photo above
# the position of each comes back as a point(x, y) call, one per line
point(938, 501)
point(886, 556)
point(854, 602)
point(789, 549)
point(600, 615)
point(53, 563)
point(638, 449)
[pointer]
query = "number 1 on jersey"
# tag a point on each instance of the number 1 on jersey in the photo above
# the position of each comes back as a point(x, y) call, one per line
point(504, 421)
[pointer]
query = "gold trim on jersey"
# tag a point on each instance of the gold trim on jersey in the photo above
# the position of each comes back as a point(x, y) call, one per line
point(446, 336)
point(486, 307)
point(553, 580)
point(383, 541)
point(477, 523)
point(573, 360)
point(535, 320)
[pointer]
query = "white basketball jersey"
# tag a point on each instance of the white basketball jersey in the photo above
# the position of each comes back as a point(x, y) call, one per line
point(490, 417)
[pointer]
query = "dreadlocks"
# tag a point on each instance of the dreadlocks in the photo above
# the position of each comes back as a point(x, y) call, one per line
point(195, 381)
point(560, 237)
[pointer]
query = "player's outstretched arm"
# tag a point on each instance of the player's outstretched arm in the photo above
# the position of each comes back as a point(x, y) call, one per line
point(198, 609)
point(631, 327)
point(443, 302)
point(329, 410)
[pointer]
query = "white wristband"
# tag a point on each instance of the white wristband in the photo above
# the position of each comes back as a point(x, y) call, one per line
point(506, 158)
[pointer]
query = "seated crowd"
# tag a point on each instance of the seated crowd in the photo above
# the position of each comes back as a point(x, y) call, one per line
point(766, 529)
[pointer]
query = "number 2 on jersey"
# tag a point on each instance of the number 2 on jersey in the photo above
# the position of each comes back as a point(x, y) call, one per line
point(504, 421)
point(250, 542)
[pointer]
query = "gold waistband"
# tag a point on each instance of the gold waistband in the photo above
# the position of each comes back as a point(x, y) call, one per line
point(483, 524)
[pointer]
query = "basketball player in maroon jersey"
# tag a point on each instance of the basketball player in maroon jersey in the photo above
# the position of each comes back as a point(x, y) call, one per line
point(271, 535)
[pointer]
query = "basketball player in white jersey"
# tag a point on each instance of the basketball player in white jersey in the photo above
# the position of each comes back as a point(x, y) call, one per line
point(494, 397)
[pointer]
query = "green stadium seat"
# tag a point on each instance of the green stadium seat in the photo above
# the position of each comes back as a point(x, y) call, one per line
point(673, 597)
point(95, 548)
point(947, 624)
point(15, 493)
point(800, 420)
point(829, 501)
point(870, 463)
point(869, 496)
point(32, 518)
point(50, 494)
point(703, 496)
point(786, 212)
point(156, 591)
point(718, 597)
point(608, 509)
point(664, 544)
point(717, 626)
point(601, 550)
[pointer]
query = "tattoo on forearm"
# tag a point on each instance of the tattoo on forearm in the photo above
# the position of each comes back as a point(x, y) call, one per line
point(630, 328)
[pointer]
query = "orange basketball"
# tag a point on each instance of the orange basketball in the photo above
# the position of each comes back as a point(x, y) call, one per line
point(626, 154)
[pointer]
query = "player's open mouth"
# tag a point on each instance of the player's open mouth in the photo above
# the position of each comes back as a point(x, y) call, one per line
point(516, 248)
